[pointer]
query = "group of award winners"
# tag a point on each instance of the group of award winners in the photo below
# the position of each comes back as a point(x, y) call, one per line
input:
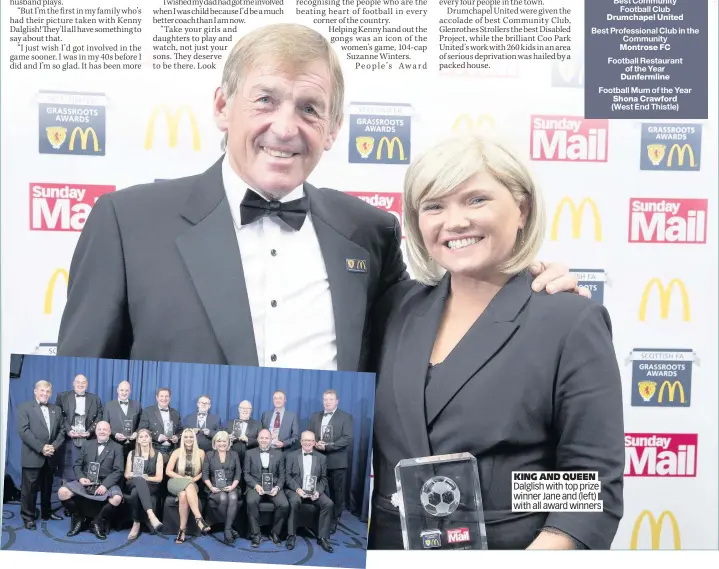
point(121, 452)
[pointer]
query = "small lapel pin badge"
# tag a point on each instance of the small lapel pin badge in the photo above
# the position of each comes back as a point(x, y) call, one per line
point(356, 265)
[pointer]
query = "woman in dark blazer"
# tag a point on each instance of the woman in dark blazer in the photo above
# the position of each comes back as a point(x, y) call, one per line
point(223, 492)
point(472, 360)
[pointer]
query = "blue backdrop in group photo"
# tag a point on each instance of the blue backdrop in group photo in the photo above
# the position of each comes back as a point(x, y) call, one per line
point(225, 385)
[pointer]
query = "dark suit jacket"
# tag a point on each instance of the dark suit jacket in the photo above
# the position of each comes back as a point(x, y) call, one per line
point(112, 462)
point(93, 410)
point(289, 427)
point(157, 274)
point(337, 453)
point(212, 422)
point(232, 467)
point(534, 385)
point(252, 468)
point(253, 429)
point(152, 421)
point(295, 470)
point(113, 414)
point(33, 431)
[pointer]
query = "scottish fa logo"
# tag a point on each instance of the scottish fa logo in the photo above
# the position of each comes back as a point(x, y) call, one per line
point(71, 123)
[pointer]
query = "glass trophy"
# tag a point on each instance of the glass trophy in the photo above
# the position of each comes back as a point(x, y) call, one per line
point(275, 435)
point(309, 484)
point(169, 431)
point(79, 424)
point(440, 502)
point(237, 428)
point(220, 478)
point(127, 427)
point(138, 466)
point(93, 475)
point(327, 434)
point(267, 482)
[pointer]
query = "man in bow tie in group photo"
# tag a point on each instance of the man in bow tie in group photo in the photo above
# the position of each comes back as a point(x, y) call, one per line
point(246, 263)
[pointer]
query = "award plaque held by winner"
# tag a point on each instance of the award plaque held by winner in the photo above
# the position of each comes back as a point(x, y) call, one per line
point(440, 502)
point(267, 482)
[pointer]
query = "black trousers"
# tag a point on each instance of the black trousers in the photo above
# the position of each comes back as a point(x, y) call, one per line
point(282, 510)
point(141, 497)
point(336, 479)
point(325, 505)
point(34, 479)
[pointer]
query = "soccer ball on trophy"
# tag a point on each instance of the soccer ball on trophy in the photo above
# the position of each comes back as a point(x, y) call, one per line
point(440, 496)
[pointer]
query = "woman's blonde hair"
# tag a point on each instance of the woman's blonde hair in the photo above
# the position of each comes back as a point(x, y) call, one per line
point(220, 436)
point(440, 169)
point(196, 461)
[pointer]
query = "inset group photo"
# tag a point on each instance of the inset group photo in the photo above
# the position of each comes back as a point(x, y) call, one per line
point(188, 461)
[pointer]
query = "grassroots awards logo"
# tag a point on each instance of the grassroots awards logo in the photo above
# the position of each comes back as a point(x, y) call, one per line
point(576, 216)
point(470, 123)
point(380, 133)
point(660, 455)
point(570, 72)
point(71, 123)
point(661, 377)
point(48, 304)
point(593, 280)
point(662, 220)
point(655, 529)
point(664, 298)
point(671, 147)
point(172, 121)
point(561, 138)
point(62, 207)
point(387, 201)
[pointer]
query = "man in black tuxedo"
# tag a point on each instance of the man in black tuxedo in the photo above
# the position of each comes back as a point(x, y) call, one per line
point(42, 431)
point(299, 465)
point(258, 461)
point(334, 431)
point(243, 431)
point(98, 471)
point(163, 422)
point(284, 426)
point(204, 423)
point(81, 411)
point(205, 268)
point(123, 414)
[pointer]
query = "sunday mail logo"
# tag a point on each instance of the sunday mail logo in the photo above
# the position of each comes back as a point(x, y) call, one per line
point(660, 220)
point(660, 455)
point(388, 201)
point(62, 207)
point(558, 138)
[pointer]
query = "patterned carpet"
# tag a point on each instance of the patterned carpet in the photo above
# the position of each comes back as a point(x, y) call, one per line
point(349, 543)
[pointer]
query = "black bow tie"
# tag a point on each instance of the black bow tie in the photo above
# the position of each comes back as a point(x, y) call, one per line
point(124, 402)
point(329, 414)
point(161, 409)
point(43, 404)
point(265, 451)
point(202, 415)
point(78, 395)
point(307, 454)
point(254, 207)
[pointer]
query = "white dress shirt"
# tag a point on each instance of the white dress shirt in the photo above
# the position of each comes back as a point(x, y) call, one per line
point(80, 405)
point(307, 466)
point(45, 414)
point(326, 418)
point(265, 459)
point(287, 286)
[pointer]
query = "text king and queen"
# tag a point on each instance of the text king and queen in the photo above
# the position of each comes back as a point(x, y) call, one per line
point(195, 270)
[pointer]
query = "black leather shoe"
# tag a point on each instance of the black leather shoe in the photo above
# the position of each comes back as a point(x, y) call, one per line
point(66, 512)
point(333, 528)
point(75, 526)
point(275, 539)
point(256, 539)
point(324, 544)
point(96, 529)
point(53, 517)
point(30, 525)
point(290, 542)
point(229, 540)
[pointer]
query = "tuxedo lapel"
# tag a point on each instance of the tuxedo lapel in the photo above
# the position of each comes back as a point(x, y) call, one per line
point(300, 458)
point(412, 357)
point(211, 254)
point(348, 269)
point(71, 408)
point(38, 409)
point(492, 330)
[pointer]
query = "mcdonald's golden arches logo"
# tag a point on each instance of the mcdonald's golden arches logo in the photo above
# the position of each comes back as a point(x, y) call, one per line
point(50, 291)
point(173, 126)
point(671, 388)
point(681, 150)
point(84, 137)
point(390, 148)
point(665, 296)
point(465, 122)
point(356, 265)
point(655, 529)
point(577, 214)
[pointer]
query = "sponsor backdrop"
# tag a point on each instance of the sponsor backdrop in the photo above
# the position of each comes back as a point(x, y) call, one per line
point(632, 208)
